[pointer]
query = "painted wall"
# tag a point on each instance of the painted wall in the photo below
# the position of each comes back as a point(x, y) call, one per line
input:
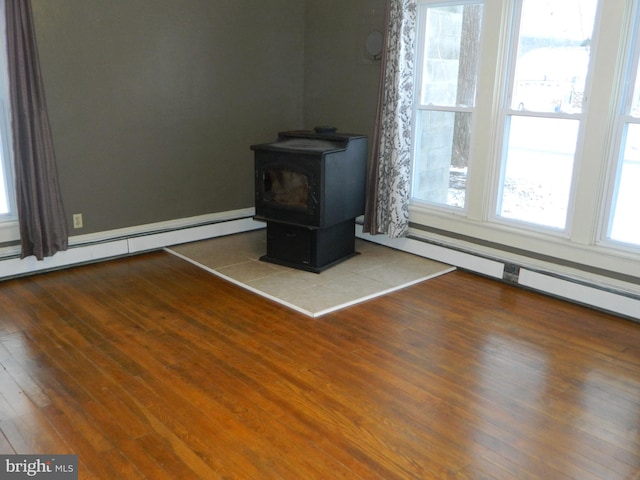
point(341, 81)
point(154, 103)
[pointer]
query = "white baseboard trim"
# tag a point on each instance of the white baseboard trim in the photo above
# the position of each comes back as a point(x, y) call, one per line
point(474, 263)
point(117, 243)
point(580, 293)
point(592, 295)
point(16, 267)
point(175, 237)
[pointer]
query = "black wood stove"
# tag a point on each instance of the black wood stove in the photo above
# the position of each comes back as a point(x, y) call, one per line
point(309, 189)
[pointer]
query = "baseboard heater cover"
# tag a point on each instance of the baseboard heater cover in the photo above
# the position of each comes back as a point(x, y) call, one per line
point(593, 296)
point(610, 300)
point(120, 243)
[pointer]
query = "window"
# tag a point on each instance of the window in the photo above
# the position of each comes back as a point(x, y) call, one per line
point(624, 192)
point(7, 202)
point(7, 210)
point(544, 110)
point(550, 164)
point(448, 52)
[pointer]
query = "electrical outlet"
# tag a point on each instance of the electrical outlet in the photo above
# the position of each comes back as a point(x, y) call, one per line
point(77, 220)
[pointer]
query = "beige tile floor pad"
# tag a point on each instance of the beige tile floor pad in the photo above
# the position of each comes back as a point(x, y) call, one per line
point(378, 270)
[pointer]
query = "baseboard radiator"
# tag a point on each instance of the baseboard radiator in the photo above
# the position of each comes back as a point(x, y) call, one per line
point(590, 293)
point(131, 241)
point(119, 243)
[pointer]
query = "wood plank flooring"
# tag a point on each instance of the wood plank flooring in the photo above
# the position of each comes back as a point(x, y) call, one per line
point(150, 368)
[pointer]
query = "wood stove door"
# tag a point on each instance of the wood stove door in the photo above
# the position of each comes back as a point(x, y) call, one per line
point(287, 187)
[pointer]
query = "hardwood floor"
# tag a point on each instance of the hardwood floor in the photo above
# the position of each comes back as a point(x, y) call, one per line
point(148, 367)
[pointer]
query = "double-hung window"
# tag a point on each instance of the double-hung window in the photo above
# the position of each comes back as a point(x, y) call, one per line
point(622, 217)
point(544, 109)
point(7, 209)
point(7, 196)
point(448, 50)
point(539, 124)
point(527, 130)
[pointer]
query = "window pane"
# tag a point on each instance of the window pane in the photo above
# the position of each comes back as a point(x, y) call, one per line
point(286, 187)
point(5, 173)
point(4, 204)
point(6, 170)
point(441, 157)
point(635, 100)
point(451, 52)
point(625, 226)
point(449, 69)
point(553, 55)
point(538, 171)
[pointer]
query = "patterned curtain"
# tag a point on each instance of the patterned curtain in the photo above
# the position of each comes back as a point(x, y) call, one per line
point(389, 174)
point(41, 217)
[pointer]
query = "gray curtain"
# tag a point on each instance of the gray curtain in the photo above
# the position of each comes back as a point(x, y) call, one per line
point(41, 217)
point(389, 170)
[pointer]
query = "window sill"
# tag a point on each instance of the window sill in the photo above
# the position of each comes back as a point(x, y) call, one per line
point(9, 231)
point(533, 248)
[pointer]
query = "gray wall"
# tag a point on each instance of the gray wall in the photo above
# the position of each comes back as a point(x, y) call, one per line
point(341, 82)
point(154, 103)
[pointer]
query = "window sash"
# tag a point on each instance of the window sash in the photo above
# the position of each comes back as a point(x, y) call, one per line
point(424, 104)
point(9, 230)
point(583, 241)
point(627, 118)
point(531, 221)
point(6, 151)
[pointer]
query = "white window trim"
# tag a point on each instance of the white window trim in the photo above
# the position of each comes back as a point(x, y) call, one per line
point(507, 111)
point(419, 53)
point(629, 66)
point(581, 244)
point(9, 231)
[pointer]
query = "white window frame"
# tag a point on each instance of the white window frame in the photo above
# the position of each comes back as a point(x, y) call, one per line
point(622, 120)
point(476, 229)
point(8, 222)
point(418, 106)
point(507, 112)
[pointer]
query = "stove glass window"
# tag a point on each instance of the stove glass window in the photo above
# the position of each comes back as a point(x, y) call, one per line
point(286, 188)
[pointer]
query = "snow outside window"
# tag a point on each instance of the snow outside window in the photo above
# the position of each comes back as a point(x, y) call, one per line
point(544, 112)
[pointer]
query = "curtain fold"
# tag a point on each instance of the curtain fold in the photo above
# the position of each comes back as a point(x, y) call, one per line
point(389, 169)
point(41, 216)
